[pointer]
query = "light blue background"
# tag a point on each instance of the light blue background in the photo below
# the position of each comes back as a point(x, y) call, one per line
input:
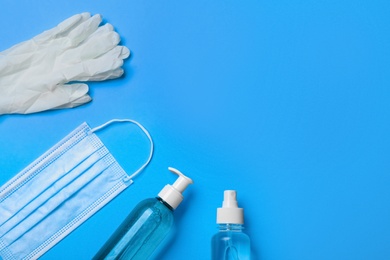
point(285, 101)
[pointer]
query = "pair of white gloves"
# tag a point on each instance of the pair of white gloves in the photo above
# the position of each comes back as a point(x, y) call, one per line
point(35, 74)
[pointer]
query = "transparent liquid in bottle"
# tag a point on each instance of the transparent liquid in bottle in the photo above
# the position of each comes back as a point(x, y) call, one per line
point(230, 243)
point(141, 232)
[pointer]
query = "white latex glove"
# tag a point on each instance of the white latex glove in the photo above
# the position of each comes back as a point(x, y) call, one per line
point(34, 74)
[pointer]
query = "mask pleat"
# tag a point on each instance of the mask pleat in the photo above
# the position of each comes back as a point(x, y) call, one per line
point(42, 174)
point(74, 205)
point(56, 186)
point(56, 200)
point(35, 167)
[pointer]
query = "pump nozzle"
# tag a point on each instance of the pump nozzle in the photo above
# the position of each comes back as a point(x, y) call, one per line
point(230, 212)
point(172, 194)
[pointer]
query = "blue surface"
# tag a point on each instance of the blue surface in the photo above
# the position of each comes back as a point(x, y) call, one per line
point(288, 102)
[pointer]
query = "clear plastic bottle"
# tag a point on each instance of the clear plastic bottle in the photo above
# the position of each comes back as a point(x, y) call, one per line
point(230, 242)
point(147, 225)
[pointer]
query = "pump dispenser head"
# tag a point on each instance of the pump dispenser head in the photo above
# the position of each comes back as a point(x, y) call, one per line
point(172, 194)
point(230, 212)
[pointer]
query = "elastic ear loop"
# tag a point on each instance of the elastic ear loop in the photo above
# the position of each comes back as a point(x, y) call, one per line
point(145, 132)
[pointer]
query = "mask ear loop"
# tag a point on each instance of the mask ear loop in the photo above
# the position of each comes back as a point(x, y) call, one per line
point(145, 132)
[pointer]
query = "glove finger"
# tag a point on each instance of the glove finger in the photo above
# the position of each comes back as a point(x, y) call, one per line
point(90, 69)
point(122, 51)
point(106, 75)
point(69, 24)
point(76, 101)
point(63, 28)
point(84, 30)
point(101, 30)
point(110, 61)
point(100, 42)
point(62, 96)
point(119, 52)
point(99, 45)
point(104, 28)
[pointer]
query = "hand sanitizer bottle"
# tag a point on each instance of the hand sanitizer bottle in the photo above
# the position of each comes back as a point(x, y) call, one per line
point(230, 242)
point(147, 225)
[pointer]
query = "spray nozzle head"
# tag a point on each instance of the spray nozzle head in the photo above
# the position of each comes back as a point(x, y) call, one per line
point(230, 212)
point(229, 199)
point(172, 194)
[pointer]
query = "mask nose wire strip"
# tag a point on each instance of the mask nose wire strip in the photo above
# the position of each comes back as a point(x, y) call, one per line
point(145, 132)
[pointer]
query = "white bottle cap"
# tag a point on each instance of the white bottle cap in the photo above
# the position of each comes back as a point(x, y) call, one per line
point(230, 212)
point(172, 194)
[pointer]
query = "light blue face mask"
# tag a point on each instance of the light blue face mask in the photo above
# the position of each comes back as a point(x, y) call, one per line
point(59, 191)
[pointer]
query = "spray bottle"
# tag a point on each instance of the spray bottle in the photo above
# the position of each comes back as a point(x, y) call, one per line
point(147, 225)
point(230, 242)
